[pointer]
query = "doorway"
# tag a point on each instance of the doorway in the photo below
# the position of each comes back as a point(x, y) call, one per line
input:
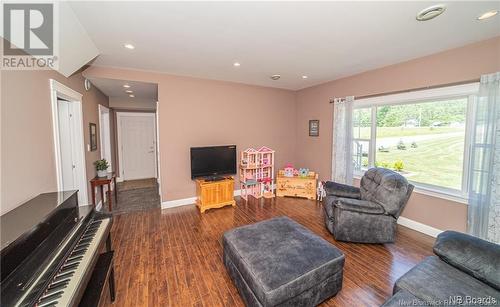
point(133, 112)
point(137, 145)
point(69, 148)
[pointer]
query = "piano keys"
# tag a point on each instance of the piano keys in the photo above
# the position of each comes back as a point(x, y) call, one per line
point(49, 250)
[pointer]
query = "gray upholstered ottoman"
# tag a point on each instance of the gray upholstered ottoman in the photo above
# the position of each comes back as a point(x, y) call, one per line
point(278, 262)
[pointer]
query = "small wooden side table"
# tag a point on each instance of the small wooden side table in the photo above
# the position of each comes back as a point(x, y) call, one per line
point(101, 182)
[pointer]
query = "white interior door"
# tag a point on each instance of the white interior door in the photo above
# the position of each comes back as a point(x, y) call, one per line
point(137, 145)
point(68, 163)
point(69, 144)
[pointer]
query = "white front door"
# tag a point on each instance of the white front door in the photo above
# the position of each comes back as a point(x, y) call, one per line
point(137, 145)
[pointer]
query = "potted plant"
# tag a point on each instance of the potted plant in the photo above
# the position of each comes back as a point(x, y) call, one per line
point(101, 167)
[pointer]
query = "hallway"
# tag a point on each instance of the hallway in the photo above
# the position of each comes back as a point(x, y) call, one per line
point(135, 195)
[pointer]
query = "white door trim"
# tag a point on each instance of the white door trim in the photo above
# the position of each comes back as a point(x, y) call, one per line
point(119, 116)
point(102, 139)
point(158, 170)
point(59, 90)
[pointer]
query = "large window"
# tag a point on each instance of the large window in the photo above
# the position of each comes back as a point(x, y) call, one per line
point(422, 135)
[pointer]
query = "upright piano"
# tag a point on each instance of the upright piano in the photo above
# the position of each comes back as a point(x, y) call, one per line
point(56, 253)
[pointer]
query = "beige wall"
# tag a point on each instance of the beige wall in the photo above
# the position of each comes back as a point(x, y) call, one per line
point(461, 64)
point(199, 112)
point(27, 145)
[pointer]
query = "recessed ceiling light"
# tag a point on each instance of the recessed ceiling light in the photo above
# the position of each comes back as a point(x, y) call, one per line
point(275, 77)
point(304, 77)
point(431, 12)
point(129, 91)
point(126, 86)
point(129, 46)
point(236, 64)
point(131, 96)
point(487, 15)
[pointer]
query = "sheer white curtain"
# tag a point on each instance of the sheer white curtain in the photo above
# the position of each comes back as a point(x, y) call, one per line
point(484, 186)
point(342, 140)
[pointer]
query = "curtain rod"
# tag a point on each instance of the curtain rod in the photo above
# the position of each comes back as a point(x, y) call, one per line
point(412, 90)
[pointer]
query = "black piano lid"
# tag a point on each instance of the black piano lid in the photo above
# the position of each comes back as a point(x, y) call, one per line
point(40, 225)
point(23, 218)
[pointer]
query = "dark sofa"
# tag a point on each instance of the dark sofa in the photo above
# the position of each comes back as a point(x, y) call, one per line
point(464, 272)
point(367, 214)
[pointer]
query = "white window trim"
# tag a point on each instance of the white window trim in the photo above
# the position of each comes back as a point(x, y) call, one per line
point(416, 96)
point(469, 90)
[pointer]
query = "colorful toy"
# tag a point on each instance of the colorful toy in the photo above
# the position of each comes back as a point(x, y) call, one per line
point(257, 173)
point(249, 157)
point(289, 170)
point(320, 191)
point(303, 172)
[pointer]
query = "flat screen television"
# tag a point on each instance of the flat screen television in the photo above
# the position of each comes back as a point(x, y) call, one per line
point(213, 161)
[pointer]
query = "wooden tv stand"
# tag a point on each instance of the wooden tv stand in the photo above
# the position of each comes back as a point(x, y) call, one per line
point(214, 194)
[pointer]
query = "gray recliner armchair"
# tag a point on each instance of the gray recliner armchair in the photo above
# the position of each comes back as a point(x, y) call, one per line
point(367, 214)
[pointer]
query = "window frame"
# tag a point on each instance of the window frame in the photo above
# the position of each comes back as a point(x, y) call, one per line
point(469, 90)
point(359, 139)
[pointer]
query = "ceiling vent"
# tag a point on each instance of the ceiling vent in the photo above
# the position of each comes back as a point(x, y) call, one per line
point(431, 12)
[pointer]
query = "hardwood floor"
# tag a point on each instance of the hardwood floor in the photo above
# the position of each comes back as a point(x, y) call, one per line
point(172, 257)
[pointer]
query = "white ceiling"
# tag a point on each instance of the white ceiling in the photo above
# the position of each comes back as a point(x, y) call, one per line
point(114, 88)
point(324, 40)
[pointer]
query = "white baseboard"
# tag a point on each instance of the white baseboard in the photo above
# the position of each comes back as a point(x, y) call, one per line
point(425, 229)
point(178, 202)
point(186, 201)
point(119, 179)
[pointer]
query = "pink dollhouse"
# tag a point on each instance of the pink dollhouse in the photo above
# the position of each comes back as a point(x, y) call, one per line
point(257, 173)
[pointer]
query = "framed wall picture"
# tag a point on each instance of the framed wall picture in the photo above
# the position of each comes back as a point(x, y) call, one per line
point(314, 127)
point(93, 136)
